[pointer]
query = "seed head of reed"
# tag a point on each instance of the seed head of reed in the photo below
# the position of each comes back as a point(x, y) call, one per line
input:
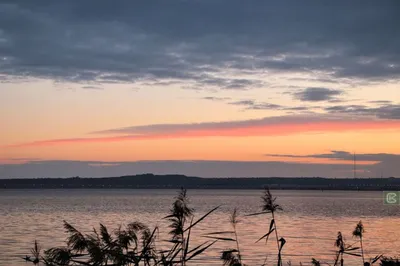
point(234, 218)
point(339, 243)
point(359, 230)
point(269, 202)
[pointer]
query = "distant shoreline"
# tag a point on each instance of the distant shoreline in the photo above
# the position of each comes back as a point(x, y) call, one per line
point(150, 181)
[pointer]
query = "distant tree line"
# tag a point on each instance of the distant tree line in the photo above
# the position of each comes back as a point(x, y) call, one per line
point(177, 181)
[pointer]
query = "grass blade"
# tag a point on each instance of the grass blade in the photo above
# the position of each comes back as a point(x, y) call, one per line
point(264, 236)
point(202, 218)
point(221, 238)
point(201, 250)
point(258, 213)
point(220, 233)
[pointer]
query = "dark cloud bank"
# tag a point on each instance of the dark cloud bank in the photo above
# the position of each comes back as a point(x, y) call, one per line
point(195, 41)
point(385, 165)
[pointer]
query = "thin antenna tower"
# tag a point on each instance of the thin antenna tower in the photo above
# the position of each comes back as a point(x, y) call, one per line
point(355, 166)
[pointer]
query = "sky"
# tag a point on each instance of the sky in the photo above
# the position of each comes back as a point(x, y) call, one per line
point(210, 88)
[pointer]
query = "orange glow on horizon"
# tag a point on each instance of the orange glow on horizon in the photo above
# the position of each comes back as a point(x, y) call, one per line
point(249, 131)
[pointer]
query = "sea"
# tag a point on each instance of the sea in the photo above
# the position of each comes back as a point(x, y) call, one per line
point(309, 221)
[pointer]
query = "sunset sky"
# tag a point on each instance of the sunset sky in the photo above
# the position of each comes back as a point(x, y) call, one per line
point(198, 87)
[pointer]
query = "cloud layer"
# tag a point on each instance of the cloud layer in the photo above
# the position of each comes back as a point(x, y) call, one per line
point(189, 42)
point(195, 168)
point(269, 126)
point(346, 156)
point(377, 163)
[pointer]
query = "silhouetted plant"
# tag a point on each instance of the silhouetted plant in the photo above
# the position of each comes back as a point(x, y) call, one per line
point(386, 261)
point(35, 251)
point(282, 242)
point(358, 232)
point(180, 213)
point(230, 257)
point(315, 262)
point(270, 206)
point(133, 245)
point(101, 247)
point(344, 249)
point(136, 243)
point(372, 260)
point(339, 243)
point(234, 221)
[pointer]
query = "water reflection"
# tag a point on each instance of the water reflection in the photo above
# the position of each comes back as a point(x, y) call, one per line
point(309, 222)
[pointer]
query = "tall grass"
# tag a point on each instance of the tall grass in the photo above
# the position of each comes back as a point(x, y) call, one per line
point(133, 245)
point(358, 232)
point(269, 206)
point(350, 250)
point(136, 244)
point(232, 256)
point(386, 261)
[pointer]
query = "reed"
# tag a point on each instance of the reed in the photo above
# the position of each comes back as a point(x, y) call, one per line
point(136, 244)
point(350, 250)
point(179, 215)
point(387, 261)
point(269, 206)
point(358, 232)
point(230, 257)
point(133, 245)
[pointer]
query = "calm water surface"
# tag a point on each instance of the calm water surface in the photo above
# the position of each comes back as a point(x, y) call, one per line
point(309, 222)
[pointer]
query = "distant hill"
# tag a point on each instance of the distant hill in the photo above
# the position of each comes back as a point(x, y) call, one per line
point(150, 181)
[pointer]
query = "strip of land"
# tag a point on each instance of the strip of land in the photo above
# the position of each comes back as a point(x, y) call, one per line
point(150, 181)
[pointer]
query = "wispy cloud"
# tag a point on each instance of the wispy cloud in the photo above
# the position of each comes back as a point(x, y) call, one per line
point(383, 110)
point(216, 99)
point(376, 163)
point(19, 160)
point(343, 155)
point(253, 105)
point(317, 94)
point(92, 88)
point(381, 102)
point(256, 105)
point(269, 126)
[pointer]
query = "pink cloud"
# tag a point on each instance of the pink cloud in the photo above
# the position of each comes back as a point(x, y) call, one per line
point(273, 126)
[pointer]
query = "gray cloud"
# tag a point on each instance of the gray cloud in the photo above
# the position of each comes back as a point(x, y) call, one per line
point(253, 105)
point(344, 155)
point(229, 83)
point(381, 163)
point(191, 41)
point(191, 168)
point(92, 88)
point(265, 106)
point(381, 102)
point(317, 94)
point(217, 99)
point(384, 111)
point(243, 102)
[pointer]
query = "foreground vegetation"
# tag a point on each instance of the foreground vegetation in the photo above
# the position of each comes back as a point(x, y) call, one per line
point(137, 244)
